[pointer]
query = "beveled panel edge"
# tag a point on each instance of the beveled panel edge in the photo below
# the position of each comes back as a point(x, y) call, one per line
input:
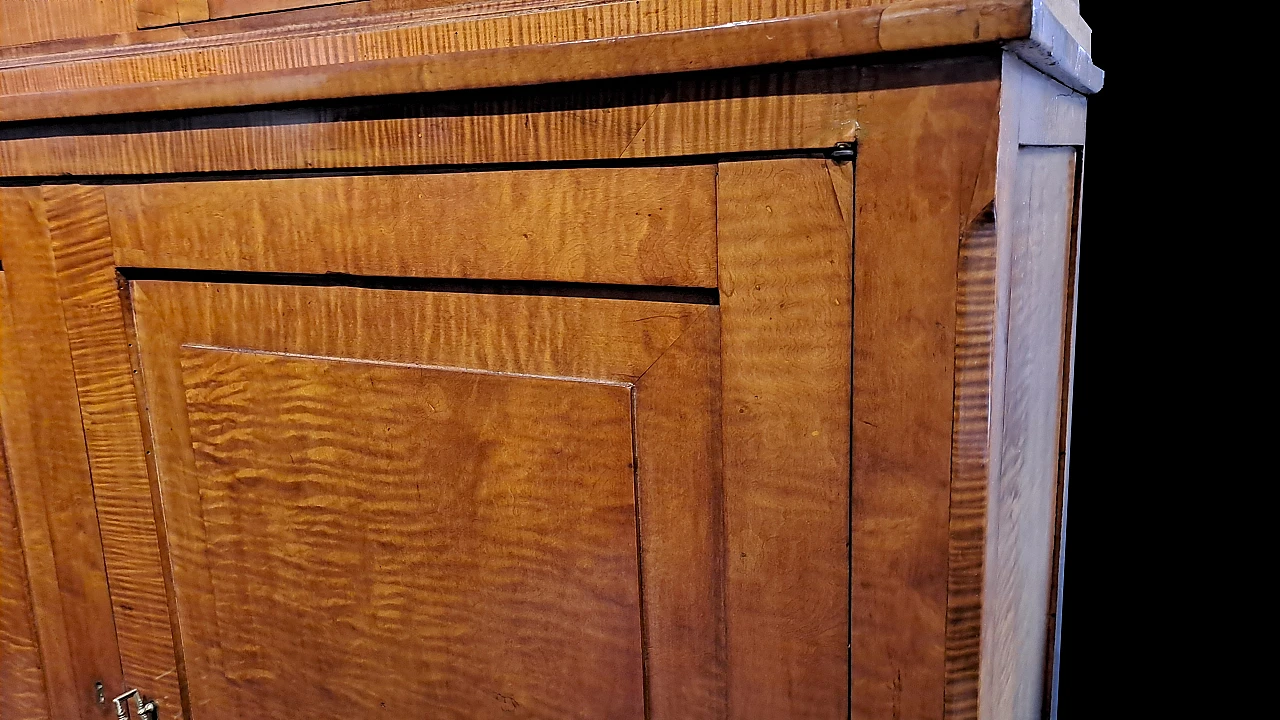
point(185, 347)
point(912, 25)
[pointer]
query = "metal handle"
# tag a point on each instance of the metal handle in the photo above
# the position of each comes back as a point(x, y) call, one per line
point(147, 709)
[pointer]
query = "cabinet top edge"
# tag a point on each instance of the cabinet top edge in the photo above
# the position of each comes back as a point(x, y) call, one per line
point(1027, 27)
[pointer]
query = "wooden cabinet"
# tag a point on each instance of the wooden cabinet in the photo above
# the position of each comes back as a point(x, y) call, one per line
point(718, 372)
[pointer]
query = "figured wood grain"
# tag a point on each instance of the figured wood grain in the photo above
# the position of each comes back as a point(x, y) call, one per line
point(610, 341)
point(39, 581)
point(786, 312)
point(22, 21)
point(352, 15)
point(155, 13)
point(644, 226)
point(838, 33)
point(924, 157)
point(50, 469)
point(434, 32)
point(407, 540)
point(1024, 493)
point(678, 455)
point(231, 8)
point(81, 242)
point(755, 111)
point(970, 462)
point(21, 672)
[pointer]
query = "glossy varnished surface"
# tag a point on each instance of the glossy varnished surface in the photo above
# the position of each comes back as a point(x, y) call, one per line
point(862, 524)
point(48, 465)
point(416, 540)
point(913, 25)
point(80, 237)
point(785, 262)
point(753, 112)
point(21, 673)
point(643, 226)
point(511, 369)
point(925, 172)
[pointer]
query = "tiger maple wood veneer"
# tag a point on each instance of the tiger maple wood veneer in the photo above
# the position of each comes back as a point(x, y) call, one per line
point(685, 360)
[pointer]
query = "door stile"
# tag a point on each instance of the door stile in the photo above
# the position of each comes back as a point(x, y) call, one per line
point(127, 504)
point(53, 485)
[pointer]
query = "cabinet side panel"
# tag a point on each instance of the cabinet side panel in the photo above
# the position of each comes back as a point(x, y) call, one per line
point(99, 344)
point(924, 176)
point(786, 293)
point(21, 674)
point(1023, 500)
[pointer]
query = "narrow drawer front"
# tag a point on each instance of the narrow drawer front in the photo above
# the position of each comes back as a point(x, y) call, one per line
point(635, 226)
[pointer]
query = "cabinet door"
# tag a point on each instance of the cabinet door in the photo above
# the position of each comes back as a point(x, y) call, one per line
point(433, 504)
point(544, 443)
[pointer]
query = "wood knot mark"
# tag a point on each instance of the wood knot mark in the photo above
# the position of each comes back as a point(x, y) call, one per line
point(506, 702)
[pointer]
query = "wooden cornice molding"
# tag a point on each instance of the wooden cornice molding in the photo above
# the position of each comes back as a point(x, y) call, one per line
point(1028, 26)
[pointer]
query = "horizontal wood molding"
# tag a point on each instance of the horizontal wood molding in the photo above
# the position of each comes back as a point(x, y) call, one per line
point(916, 24)
point(641, 226)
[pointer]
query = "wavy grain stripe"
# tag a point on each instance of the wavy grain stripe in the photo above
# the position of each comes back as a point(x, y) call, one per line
point(970, 464)
point(21, 671)
point(109, 407)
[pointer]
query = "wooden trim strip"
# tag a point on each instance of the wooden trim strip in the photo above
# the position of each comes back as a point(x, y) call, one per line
point(910, 25)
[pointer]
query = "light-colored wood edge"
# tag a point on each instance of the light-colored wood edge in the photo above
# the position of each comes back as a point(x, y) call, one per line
point(916, 24)
point(1054, 51)
point(1036, 111)
point(1064, 482)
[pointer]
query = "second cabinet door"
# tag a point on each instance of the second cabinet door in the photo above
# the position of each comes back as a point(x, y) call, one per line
point(429, 504)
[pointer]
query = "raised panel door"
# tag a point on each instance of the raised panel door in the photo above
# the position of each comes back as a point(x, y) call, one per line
point(433, 504)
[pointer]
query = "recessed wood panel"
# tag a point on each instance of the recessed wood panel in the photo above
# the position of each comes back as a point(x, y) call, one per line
point(411, 540)
point(319, 448)
point(653, 226)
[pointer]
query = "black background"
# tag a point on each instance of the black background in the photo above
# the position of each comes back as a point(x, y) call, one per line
point(1093, 648)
